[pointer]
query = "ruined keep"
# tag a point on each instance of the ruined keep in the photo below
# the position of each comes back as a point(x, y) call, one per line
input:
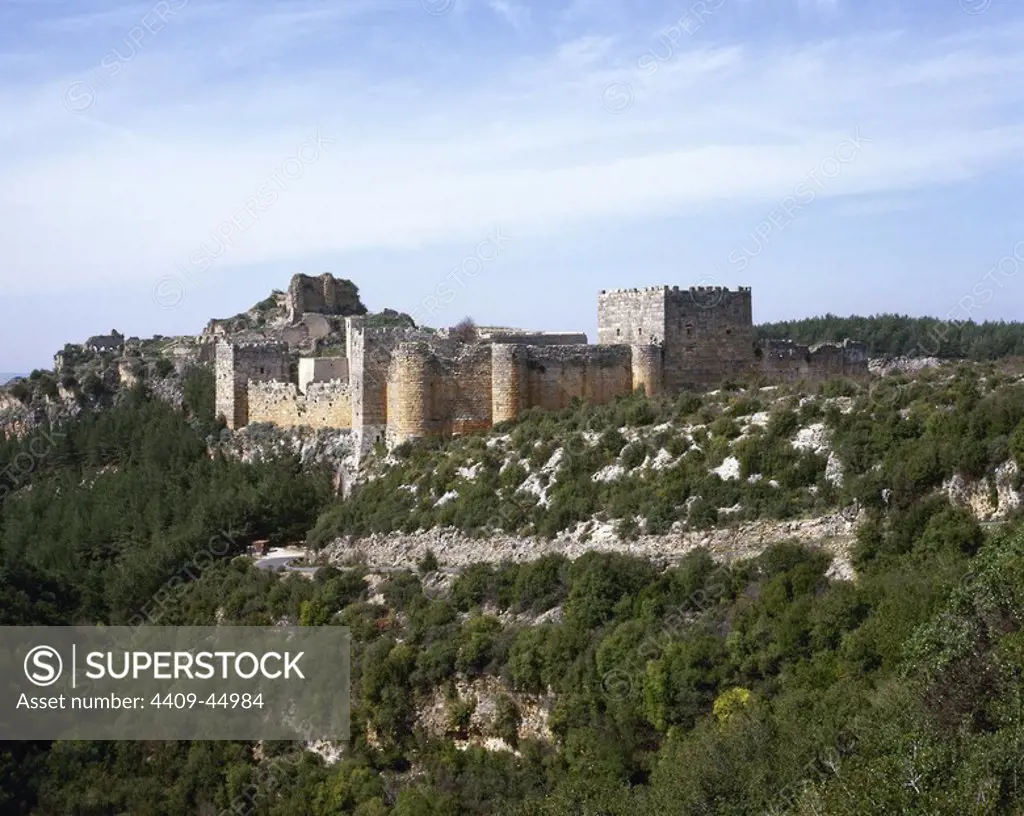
point(324, 294)
point(395, 384)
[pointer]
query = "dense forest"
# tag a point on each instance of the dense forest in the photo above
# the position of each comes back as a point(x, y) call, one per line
point(900, 335)
point(763, 686)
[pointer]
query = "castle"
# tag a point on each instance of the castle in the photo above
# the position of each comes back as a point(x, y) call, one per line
point(400, 383)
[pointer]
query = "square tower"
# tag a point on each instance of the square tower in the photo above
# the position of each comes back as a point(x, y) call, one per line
point(238, 364)
point(709, 336)
point(706, 332)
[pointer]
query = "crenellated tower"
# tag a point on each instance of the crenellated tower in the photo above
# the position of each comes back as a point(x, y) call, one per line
point(706, 333)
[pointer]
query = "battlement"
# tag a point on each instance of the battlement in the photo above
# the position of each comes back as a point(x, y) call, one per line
point(634, 290)
point(260, 344)
point(324, 405)
point(533, 338)
point(665, 289)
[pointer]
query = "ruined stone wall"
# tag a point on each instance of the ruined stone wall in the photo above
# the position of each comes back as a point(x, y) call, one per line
point(397, 384)
point(855, 358)
point(790, 362)
point(325, 405)
point(557, 374)
point(439, 389)
point(631, 316)
point(324, 294)
point(461, 390)
point(435, 389)
point(238, 364)
point(709, 336)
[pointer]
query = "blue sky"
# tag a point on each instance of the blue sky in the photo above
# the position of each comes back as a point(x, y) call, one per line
point(166, 162)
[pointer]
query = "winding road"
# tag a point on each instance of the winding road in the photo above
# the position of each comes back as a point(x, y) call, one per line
point(281, 559)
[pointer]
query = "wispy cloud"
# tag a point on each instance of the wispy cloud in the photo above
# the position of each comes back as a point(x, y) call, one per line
point(432, 150)
point(515, 14)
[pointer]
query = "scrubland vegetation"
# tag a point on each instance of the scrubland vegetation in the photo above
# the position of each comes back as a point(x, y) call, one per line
point(763, 686)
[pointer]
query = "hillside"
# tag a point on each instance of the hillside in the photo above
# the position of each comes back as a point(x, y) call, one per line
point(672, 468)
point(617, 681)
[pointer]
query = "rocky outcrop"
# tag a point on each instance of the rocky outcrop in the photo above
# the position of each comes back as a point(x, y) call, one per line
point(332, 447)
point(993, 498)
point(483, 727)
point(833, 533)
point(92, 389)
point(17, 419)
point(883, 366)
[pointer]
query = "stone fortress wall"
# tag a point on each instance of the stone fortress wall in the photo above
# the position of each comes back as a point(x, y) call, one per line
point(323, 405)
point(792, 362)
point(238, 367)
point(395, 385)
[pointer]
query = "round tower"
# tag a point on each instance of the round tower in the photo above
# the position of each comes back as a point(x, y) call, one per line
point(647, 369)
point(409, 392)
point(508, 381)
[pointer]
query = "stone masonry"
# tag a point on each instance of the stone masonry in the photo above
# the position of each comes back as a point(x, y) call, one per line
point(324, 294)
point(706, 333)
point(237, 367)
point(394, 385)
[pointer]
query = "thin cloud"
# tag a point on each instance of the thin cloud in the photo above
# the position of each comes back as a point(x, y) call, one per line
point(188, 134)
point(514, 14)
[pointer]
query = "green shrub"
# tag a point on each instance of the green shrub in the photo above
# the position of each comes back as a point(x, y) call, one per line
point(633, 455)
point(163, 367)
point(428, 563)
point(725, 427)
point(507, 720)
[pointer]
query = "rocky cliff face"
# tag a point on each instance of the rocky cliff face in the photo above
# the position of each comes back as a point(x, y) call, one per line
point(482, 698)
point(332, 447)
point(93, 384)
point(989, 499)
